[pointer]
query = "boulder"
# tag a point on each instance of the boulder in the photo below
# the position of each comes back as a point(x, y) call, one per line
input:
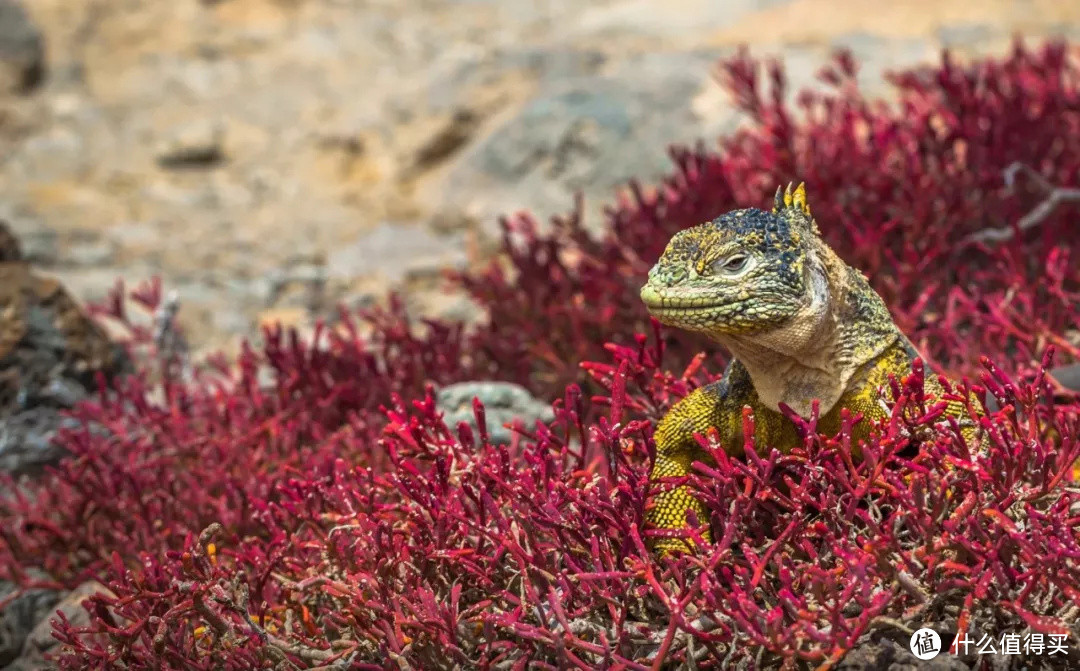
point(50, 355)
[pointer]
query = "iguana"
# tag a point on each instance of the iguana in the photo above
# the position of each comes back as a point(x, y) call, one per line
point(800, 324)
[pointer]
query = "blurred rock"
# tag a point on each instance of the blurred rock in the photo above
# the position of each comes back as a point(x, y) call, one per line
point(40, 641)
point(588, 133)
point(208, 141)
point(22, 50)
point(1067, 376)
point(195, 145)
point(395, 251)
point(91, 253)
point(449, 137)
point(22, 664)
point(10, 247)
point(504, 403)
point(19, 617)
point(26, 440)
point(39, 247)
point(50, 354)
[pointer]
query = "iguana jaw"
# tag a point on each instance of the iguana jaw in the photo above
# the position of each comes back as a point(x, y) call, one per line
point(710, 312)
point(694, 311)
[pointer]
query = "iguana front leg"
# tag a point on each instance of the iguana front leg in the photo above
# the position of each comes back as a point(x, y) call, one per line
point(718, 405)
point(676, 450)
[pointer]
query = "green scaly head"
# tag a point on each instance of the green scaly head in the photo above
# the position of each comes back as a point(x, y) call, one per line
point(743, 273)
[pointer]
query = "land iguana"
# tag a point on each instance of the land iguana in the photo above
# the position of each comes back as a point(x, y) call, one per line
point(800, 324)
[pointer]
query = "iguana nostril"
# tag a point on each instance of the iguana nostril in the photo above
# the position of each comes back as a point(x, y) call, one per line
point(666, 277)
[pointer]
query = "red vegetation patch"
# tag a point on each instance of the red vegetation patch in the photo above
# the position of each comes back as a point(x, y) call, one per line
point(299, 523)
point(898, 192)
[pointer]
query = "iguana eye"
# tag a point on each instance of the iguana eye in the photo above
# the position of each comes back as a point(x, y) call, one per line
point(733, 266)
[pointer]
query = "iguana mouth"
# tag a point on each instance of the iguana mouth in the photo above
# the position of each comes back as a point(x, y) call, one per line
point(684, 306)
point(682, 310)
point(658, 303)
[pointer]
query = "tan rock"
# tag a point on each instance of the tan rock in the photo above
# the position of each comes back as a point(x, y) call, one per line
point(819, 21)
point(41, 641)
point(289, 317)
point(344, 115)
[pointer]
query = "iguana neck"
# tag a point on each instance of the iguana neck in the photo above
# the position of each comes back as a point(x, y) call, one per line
point(843, 326)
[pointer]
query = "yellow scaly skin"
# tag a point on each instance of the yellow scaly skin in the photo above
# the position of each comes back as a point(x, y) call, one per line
point(801, 324)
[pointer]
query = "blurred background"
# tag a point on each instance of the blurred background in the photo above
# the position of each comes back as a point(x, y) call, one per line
point(272, 158)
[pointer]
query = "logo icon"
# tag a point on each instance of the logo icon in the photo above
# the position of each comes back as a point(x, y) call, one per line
point(925, 643)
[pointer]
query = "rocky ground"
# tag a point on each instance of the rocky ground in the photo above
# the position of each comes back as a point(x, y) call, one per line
point(270, 158)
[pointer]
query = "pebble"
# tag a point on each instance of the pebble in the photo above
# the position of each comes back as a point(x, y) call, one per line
point(504, 403)
point(195, 145)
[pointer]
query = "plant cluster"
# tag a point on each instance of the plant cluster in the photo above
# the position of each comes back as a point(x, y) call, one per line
point(326, 517)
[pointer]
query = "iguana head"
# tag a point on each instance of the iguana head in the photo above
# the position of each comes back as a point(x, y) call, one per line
point(745, 273)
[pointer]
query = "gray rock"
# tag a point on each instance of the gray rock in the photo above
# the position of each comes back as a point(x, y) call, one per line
point(590, 133)
point(449, 86)
point(26, 440)
point(49, 359)
point(42, 331)
point(22, 50)
point(22, 664)
point(40, 642)
point(61, 392)
point(965, 35)
point(456, 307)
point(11, 250)
point(21, 615)
point(395, 252)
point(40, 246)
point(504, 403)
point(646, 19)
point(55, 154)
point(91, 253)
point(1067, 376)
